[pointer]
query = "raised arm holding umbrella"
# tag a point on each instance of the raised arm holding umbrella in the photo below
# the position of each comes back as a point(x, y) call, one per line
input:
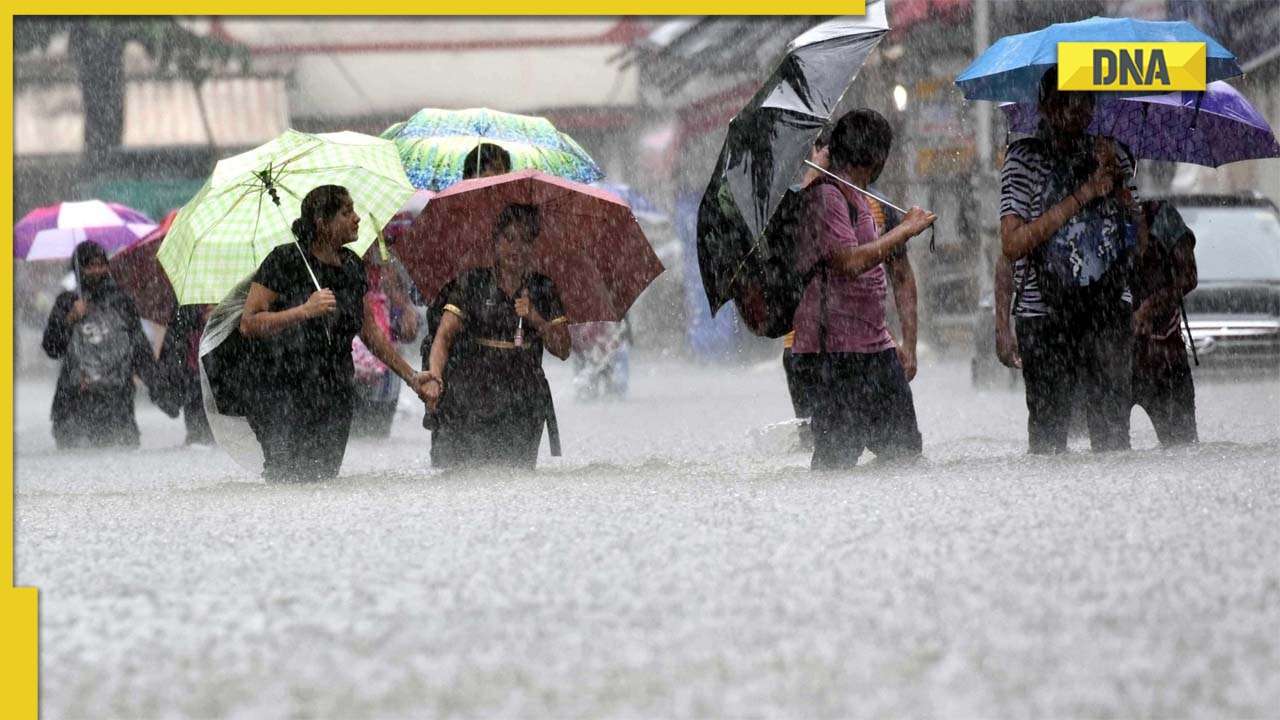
point(498, 397)
point(305, 417)
point(746, 226)
point(275, 238)
point(1066, 203)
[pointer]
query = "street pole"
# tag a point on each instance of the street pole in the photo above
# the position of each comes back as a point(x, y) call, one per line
point(982, 110)
point(985, 193)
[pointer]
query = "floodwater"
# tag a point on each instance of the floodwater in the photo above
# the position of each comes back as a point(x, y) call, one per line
point(677, 561)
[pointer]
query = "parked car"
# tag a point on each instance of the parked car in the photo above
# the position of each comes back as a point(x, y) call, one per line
point(1234, 313)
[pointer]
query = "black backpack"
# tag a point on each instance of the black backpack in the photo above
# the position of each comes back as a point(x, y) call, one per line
point(770, 286)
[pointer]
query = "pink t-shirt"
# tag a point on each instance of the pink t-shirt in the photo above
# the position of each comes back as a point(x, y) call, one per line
point(855, 317)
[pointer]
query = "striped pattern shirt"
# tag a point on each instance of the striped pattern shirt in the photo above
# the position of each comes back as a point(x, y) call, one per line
point(1021, 183)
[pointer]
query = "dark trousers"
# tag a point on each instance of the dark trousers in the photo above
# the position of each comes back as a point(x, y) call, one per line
point(799, 385)
point(861, 401)
point(1162, 386)
point(197, 423)
point(1063, 350)
point(95, 418)
point(303, 434)
point(509, 440)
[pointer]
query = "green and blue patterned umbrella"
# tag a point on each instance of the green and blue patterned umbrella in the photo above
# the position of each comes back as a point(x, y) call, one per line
point(247, 207)
point(434, 143)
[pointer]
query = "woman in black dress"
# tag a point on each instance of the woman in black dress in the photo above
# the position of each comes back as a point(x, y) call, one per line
point(302, 416)
point(488, 354)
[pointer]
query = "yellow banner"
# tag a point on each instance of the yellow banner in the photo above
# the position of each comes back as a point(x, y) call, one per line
point(485, 7)
point(1155, 66)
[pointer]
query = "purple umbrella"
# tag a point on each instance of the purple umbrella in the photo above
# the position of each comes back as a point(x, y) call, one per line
point(51, 233)
point(1212, 128)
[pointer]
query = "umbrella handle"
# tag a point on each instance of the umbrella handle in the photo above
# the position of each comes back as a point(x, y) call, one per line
point(846, 183)
point(305, 262)
point(310, 272)
point(933, 247)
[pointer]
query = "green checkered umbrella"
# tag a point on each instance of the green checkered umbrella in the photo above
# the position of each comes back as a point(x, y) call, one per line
point(247, 207)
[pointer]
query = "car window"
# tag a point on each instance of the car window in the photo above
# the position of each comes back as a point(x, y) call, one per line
point(1235, 243)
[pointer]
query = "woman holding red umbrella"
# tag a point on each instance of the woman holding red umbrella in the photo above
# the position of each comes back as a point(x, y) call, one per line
point(487, 352)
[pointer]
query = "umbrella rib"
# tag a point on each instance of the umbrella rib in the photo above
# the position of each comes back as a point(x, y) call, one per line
point(334, 168)
point(302, 152)
point(210, 226)
point(257, 221)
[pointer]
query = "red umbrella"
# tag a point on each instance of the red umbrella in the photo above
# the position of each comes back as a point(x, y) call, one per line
point(137, 272)
point(590, 245)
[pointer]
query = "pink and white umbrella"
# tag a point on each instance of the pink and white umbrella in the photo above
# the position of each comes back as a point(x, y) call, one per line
point(52, 233)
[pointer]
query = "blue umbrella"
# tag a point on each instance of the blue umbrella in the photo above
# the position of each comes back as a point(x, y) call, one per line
point(1010, 70)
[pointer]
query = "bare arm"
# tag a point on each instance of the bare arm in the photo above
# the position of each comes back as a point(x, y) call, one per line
point(852, 262)
point(377, 342)
point(450, 324)
point(258, 322)
point(433, 386)
point(1006, 343)
point(555, 336)
point(1019, 237)
point(903, 279)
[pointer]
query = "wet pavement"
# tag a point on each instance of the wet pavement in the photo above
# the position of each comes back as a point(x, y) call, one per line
point(679, 560)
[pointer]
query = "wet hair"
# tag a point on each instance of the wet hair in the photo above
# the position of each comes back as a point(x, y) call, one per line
point(1048, 90)
point(1048, 84)
point(485, 156)
point(322, 203)
point(528, 215)
point(824, 138)
point(87, 253)
point(861, 138)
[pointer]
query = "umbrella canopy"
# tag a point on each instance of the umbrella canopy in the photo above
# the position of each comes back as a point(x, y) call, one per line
point(769, 140)
point(51, 233)
point(590, 244)
point(1010, 70)
point(137, 271)
point(1212, 128)
point(247, 206)
point(434, 143)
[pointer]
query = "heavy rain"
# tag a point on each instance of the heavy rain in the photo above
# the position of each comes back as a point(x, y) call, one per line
point(287, 442)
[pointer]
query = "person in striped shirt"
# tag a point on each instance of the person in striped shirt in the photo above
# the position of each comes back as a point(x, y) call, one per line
point(1065, 203)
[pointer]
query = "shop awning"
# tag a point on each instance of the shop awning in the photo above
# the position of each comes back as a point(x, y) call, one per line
point(240, 112)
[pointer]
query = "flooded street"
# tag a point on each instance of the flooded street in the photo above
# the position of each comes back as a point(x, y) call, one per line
point(677, 561)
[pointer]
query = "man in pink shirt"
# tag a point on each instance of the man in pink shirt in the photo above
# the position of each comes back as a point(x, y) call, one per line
point(863, 399)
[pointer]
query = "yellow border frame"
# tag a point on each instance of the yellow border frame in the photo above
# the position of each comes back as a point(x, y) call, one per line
point(19, 608)
point(484, 7)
